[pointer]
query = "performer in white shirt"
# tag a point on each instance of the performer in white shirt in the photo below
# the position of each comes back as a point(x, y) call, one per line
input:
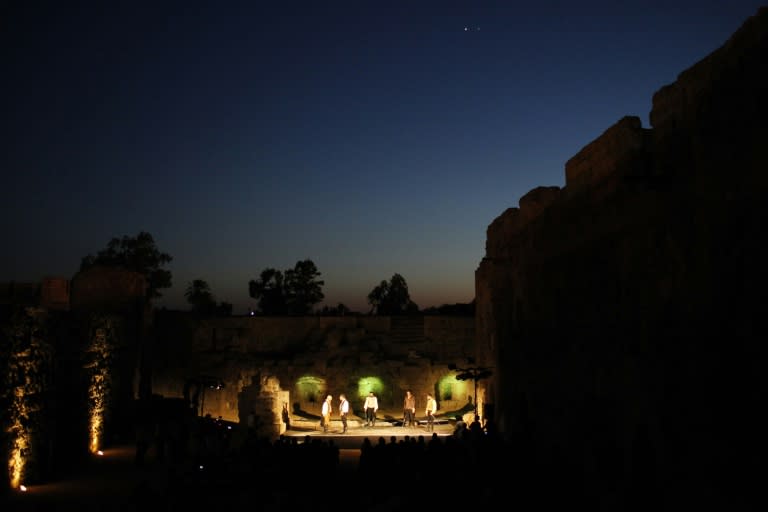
point(371, 406)
point(343, 411)
point(326, 411)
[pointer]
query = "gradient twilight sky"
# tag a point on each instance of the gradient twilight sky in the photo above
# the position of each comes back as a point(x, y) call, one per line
point(371, 137)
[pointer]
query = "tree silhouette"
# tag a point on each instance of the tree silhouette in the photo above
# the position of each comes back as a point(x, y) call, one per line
point(458, 309)
point(304, 290)
point(139, 254)
point(268, 291)
point(392, 298)
point(340, 310)
point(294, 292)
point(199, 296)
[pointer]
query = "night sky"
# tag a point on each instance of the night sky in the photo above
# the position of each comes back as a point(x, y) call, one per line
point(371, 137)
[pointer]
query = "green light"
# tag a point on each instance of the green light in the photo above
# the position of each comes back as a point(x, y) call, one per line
point(452, 389)
point(367, 384)
point(310, 388)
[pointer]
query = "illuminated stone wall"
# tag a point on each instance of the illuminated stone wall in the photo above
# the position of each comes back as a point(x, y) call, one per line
point(91, 382)
point(310, 357)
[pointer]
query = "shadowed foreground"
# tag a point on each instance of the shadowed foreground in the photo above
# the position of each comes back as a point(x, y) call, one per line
point(367, 472)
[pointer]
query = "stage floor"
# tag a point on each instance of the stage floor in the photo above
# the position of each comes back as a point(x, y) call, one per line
point(357, 431)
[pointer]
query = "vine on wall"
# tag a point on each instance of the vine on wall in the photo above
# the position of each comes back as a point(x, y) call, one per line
point(98, 365)
point(26, 384)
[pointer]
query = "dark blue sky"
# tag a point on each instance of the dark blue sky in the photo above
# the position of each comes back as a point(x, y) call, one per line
point(371, 137)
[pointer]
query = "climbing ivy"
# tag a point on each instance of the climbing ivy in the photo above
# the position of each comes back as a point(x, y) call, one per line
point(27, 358)
point(98, 366)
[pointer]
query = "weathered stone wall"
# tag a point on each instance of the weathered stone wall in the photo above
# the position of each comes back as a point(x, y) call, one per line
point(624, 317)
point(308, 357)
point(13, 292)
point(54, 293)
point(120, 294)
point(616, 149)
point(107, 289)
point(108, 307)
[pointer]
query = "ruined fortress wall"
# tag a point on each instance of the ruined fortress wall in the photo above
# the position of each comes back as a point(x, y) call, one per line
point(254, 334)
point(257, 334)
point(449, 336)
point(448, 326)
point(251, 334)
point(54, 293)
point(623, 315)
point(107, 289)
point(307, 356)
point(620, 143)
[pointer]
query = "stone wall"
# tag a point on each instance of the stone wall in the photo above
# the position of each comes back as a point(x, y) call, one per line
point(107, 289)
point(54, 293)
point(616, 149)
point(307, 357)
point(623, 312)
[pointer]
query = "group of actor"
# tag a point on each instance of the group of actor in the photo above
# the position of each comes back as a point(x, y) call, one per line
point(327, 409)
point(371, 405)
point(409, 411)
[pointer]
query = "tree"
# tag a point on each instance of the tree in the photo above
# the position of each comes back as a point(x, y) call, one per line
point(139, 254)
point(392, 298)
point(458, 309)
point(303, 287)
point(268, 291)
point(340, 310)
point(293, 292)
point(201, 299)
point(199, 296)
point(378, 297)
point(224, 309)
